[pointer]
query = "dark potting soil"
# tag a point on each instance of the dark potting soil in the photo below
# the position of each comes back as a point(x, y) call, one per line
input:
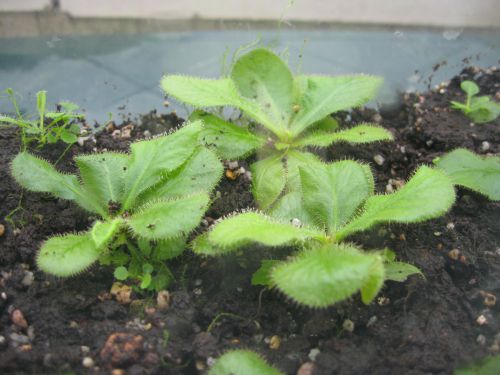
point(421, 326)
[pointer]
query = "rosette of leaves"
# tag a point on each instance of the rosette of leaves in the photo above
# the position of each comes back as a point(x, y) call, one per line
point(287, 116)
point(338, 201)
point(148, 201)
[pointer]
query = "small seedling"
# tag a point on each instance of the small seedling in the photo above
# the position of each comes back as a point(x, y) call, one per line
point(46, 127)
point(338, 201)
point(147, 202)
point(481, 174)
point(287, 116)
point(242, 362)
point(479, 109)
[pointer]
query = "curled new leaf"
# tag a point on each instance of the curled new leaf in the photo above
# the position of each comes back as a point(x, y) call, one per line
point(326, 275)
point(467, 169)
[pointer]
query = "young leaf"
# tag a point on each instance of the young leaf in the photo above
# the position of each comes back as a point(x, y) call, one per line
point(470, 88)
point(67, 255)
point(294, 160)
point(255, 227)
point(151, 159)
point(169, 218)
point(268, 180)
point(68, 137)
point(326, 275)
point(322, 95)
point(166, 249)
point(103, 175)
point(364, 133)
point(262, 76)
point(121, 273)
point(399, 271)
point(290, 207)
point(242, 362)
point(38, 175)
point(327, 124)
point(428, 194)
point(263, 275)
point(484, 112)
point(200, 173)
point(465, 168)
point(230, 141)
point(103, 232)
point(333, 192)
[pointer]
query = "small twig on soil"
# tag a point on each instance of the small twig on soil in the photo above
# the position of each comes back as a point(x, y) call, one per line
point(229, 315)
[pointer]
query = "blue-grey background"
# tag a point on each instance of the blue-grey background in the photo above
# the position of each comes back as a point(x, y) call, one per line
point(105, 73)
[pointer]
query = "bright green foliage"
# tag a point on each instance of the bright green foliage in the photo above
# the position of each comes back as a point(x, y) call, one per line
point(291, 113)
point(149, 201)
point(242, 362)
point(479, 109)
point(488, 366)
point(45, 127)
point(465, 168)
point(338, 200)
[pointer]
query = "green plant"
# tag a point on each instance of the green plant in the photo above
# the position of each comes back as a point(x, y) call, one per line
point(242, 362)
point(288, 115)
point(147, 202)
point(479, 109)
point(338, 201)
point(487, 366)
point(481, 174)
point(46, 127)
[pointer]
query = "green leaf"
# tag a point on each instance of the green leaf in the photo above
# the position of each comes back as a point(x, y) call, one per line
point(229, 140)
point(326, 275)
point(146, 281)
point(364, 133)
point(121, 273)
point(41, 104)
point(263, 275)
point(268, 180)
point(202, 246)
point(485, 112)
point(67, 255)
point(68, 137)
point(242, 362)
point(169, 218)
point(481, 174)
point(103, 176)
point(399, 271)
point(487, 366)
point(289, 207)
point(469, 87)
point(333, 192)
point(13, 121)
point(255, 227)
point(262, 76)
point(38, 175)
point(428, 194)
point(151, 159)
point(201, 92)
point(296, 159)
point(200, 173)
point(103, 232)
point(327, 124)
point(322, 95)
point(169, 248)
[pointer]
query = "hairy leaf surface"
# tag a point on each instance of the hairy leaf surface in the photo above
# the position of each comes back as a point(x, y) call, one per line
point(333, 192)
point(255, 227)
point(326, 275)
point(103, 232)
point(230, 141)
point(200, 173)
point(364, 133)
point(290, 206)
point(67, 255)
point(268, 180)
point(323, 95)
point(428, 194)
point(103, 175)
point(262, 76)
point(169, 218)
point(38, 175)
point(465, 168)
point(150, 159)
point(294, 160)
point(242, 362)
